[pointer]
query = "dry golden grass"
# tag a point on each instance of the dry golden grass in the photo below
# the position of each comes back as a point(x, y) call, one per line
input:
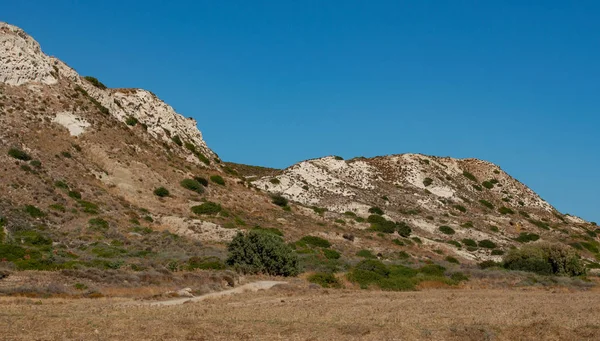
point(302, 314)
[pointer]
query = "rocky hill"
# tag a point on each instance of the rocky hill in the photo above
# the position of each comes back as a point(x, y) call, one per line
point(115, 178)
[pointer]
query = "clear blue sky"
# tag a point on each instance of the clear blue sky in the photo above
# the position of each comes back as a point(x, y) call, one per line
point(275, 82)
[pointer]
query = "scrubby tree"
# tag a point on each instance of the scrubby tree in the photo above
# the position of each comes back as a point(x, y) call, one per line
point(257, 252)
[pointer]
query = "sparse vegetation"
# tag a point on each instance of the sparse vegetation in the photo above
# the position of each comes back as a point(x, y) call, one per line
point(526, 237)
point(460, 208)
point(427, 182)
point(315, 241)
point(34, 212)
point(131, 121)
point(376, 210)
point(505, 210)
point(486, 243)
point(486, 204)
point(177, 140)
point(95, 82)
point(366, 254)
point(325, 279)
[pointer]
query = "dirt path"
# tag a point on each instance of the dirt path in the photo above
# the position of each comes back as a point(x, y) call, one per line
point(255, 286)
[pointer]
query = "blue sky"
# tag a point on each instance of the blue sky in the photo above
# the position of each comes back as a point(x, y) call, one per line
point(272, 83)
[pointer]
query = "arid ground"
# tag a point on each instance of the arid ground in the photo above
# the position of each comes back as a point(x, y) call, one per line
point(292, 313)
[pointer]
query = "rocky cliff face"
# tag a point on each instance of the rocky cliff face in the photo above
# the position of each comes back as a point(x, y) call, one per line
point(22, 62)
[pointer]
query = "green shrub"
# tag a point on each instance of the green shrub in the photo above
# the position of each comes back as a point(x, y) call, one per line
point(524, 214)
point(272, 230)
point(366, 254)
point(460, 208)
point(218, 180)
point(319, 210)
point(376, 210)
point(451, 259)
point(256, 252)
point(98, 224)
point(131, 121)
point(339, 158)
point(459, 277)
point(11, 252)
point(66, 154)
point(34, 212)
point(469, 176)
point(201, 181)
point(315, 241)
point(454, 242)
point(432, 270)
point(279, 200)
point(161, 192)
point(488, 244)
point(539, 224)
point(208, 263)
point(177, 140)
point(467, 225)
point(350, 214)
point(591, 247)
point(95, 82)
point(525, 237)
point(487, 184)
point(331, 254)
point(489, 264)
point(469, 242)
point(505, 210)
point(325, 279)
point(427, 182)
point(477, 187)
point(74, 195)
point(446, 229)
point(207, 208)
point(486, 204)
point(545, 259)
point(61, 184)
point(192, 185)
point(88, 207)
point(36, 163)
point(57, 207)
point(32, 237)
point(18, 154)
point(497, 252)
point(275, 181)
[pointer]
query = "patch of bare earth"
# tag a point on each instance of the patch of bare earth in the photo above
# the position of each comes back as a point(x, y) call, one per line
point(303, 314)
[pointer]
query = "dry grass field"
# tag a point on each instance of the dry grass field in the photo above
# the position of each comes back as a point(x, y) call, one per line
point(293, 313)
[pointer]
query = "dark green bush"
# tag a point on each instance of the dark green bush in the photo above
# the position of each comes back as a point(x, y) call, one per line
point(11, 252)
point(98, 224)
point(218, 180)
point(192, 185)
point(524, 214)
point(446, 229)
point(505, 210)
point(376, 210)
point(275, 181)
point(131, 121)
point(489, 264)
point(177, 140)
point(256, 252)
point(271, 230)
point(454, 242)
point(161, 192)
point(539, 224)
point(525, 237)
point(488, 184)
point(74, 195)
point(451, 259)
point(201, 180)
point(325, 279)
point(19, 154)
point(315, 241)
point(331, 254)
point(477, 187)
point(36, 163)
point(366, 254)
point(208, 263)
point(279, 200)
point(207, 208)
point(486, 204)
point(545, 259)
point(95, 82)
point(32, 237)
point(460, 208)
point(497, 252)
point(339, 158)
point(66, 154)
point(34, 212)
point(61, 184)
point(488, 244)
point(427, 182)
point(469, 242)
point(469, 176)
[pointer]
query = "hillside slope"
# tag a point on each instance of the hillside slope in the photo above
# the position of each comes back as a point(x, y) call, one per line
point(81, 164)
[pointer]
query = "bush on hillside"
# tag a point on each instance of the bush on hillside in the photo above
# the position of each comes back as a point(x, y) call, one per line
point(315, 241)
point(161, 192)
point(279, 200)
point(95, 82)
point(192, 185)
point(325, 279)
point(207, 208)
point(256, 252)
point(486, 204)
point(545, 259)
point(469, 176)
point(218, 180)
point(18, 154)
point(446, 229)
point(376, 210)
point(201, 180)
